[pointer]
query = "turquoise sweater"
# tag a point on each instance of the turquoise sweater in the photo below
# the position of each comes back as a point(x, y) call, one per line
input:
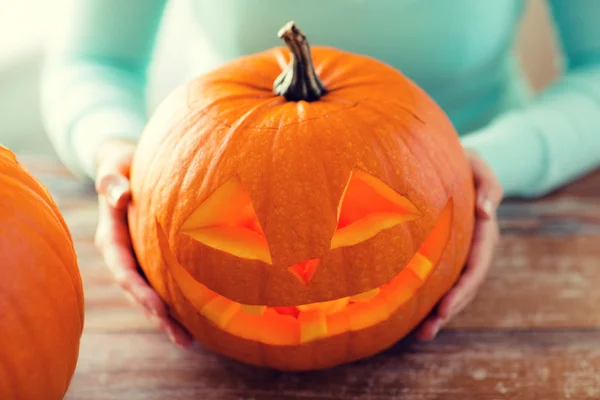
point(461, 52)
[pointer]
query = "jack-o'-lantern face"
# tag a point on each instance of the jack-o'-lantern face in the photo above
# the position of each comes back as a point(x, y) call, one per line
point(227, 222)
point(273, 226)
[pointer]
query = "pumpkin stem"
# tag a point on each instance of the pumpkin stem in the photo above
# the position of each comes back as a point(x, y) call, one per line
point(299, 80)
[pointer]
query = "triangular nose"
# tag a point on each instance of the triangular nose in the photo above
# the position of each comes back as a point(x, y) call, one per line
point(305, 270)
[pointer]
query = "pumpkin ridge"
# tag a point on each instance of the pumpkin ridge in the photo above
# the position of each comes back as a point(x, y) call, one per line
point(55, 308)
point(34, 187)
point(388, 162)
point(406, 145)
point(49, 211)
point(26, 331)
point(161, 148)
point(439, 166)
point(233, 132)
point(263, 279)
point(45, 195)
point(52, 251)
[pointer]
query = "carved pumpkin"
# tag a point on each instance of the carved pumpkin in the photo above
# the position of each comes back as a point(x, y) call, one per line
point(305, 218)
point(41, 297)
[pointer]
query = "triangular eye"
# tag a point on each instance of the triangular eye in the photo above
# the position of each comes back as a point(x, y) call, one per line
point(226, 221)
point(367, 207)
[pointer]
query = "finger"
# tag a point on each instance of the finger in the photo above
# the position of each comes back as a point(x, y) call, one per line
point(476, 269)
point(122, 265)
point(115, 245)
point(453, 303)
point(112, 225)
point(429, 328)
point(163, 321)
point(112, 177)
point(115, 188)
point(116, 250)
point(175, 332)
point(489, 189)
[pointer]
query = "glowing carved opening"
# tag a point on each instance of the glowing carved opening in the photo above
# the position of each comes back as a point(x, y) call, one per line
point(226, 221)
point(304, 323)
point(367, 207)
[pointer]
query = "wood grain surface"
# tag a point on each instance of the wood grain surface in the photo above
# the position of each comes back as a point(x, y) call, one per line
point(533, 332)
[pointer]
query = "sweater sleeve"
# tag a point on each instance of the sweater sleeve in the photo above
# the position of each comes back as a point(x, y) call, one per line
point(556, 139)
point(94, 78)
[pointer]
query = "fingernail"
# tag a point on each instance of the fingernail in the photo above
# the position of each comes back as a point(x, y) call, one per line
point(487, 207)
point(116, 189)
point(171, 335)
point(436, 328)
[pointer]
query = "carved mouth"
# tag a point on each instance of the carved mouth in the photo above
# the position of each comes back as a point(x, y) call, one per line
point(305, 323)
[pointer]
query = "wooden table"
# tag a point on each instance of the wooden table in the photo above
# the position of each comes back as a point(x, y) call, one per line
point(532, 333)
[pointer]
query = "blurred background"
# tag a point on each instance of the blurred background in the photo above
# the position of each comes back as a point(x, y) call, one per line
point(24, 27)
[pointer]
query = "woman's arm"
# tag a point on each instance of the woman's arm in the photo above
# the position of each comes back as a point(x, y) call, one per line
point(93, 85)
point(557, 138)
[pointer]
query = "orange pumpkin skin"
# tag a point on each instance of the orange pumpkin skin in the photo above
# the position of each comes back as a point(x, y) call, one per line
point(41, 297)
point(294, 161)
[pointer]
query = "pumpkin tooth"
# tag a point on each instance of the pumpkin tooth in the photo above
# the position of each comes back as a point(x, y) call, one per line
point(421, 266)
point(253, 310)
point(401, 289)
point(246, 326)
point(338, 323)
point(365, 296)
point(291, 311)
point(327, 307)
point(338, 305)
point(279, 329)
point(220, 310)
point(313, 325)
point(364, 315)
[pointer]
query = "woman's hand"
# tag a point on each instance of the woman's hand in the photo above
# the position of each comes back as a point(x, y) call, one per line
point(485, 238)
point(114, 242)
